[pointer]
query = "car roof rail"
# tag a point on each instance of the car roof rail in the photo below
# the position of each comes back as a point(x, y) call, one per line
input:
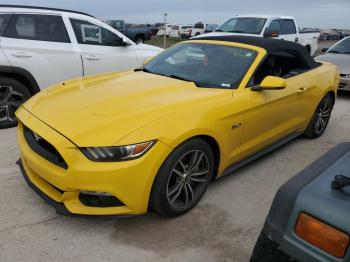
point(46, 8)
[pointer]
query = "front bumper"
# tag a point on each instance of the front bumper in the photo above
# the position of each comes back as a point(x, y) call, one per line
point(129, 181)
point(344, 83)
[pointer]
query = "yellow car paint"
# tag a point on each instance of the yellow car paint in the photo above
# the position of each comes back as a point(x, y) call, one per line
point(132, 107)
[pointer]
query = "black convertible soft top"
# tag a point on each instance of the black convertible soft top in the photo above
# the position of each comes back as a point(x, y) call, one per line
point(270, 45)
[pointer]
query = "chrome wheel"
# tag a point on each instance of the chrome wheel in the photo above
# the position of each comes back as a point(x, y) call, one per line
point(188, 179)
point(322, 115)
point(10, 101)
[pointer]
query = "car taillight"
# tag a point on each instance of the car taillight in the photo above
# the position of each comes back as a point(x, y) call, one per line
point(322, 236)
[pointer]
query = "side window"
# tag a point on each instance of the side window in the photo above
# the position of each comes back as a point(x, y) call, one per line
point(38, 27)
point(288, 27)
point(274, 27)
point(283, 64)
point(4, 20)
point(90, 34)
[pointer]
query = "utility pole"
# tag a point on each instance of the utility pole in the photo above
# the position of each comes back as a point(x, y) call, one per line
point(165, 16)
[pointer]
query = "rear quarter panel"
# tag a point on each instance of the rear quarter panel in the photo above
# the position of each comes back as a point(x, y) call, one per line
point(318, 82)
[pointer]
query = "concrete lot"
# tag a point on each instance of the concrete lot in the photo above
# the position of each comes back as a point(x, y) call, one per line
point(223, 227)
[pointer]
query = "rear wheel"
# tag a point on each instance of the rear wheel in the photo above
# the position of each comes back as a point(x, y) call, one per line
point(12, 95)
point(183, 178)
point(320, 119)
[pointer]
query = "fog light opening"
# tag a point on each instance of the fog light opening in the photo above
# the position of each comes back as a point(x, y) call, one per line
point(99, 199)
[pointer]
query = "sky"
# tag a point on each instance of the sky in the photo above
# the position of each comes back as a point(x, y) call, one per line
point(308, 13)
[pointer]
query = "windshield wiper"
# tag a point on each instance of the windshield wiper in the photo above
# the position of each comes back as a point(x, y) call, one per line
point(236, 31)
point(218, 30)
point(197, 84)
point(180, 78)
point(142, 69)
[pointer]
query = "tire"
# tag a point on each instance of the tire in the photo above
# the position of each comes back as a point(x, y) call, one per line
point(308, 48)
point(266, 250)
point(181, 181)
point(139, 39)
point(320, 118)
point(12, 95)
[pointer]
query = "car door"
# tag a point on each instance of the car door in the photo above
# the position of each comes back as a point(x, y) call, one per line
point(274, 28)
point(101, 49)
point(288, 30)
point(272, 115)
point(40, 44)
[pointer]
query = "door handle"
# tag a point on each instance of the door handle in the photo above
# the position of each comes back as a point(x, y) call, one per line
point(92, 57)
point(21, 54)
point(301, 90)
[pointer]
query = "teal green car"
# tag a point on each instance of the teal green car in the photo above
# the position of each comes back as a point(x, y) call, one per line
point(309, 219)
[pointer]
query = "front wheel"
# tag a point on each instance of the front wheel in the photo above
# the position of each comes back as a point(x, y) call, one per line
point(320, 119)
point(12, 95)
point(183, 178)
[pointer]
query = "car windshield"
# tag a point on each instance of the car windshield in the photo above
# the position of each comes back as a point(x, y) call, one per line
point(245, 25)
point(343, 47)
point(207, 65)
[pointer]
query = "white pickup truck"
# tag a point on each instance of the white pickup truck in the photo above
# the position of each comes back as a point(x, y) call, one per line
point(280, 27)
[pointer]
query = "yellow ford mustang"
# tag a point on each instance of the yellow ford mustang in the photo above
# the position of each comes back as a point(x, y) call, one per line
point(121, 143)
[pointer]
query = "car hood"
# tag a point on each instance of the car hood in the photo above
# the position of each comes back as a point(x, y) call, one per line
point(149, 47)
point(341, 60)
point(221, 34)
point(101, 110)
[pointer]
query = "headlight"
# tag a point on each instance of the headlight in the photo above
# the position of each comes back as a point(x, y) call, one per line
point(117, 153)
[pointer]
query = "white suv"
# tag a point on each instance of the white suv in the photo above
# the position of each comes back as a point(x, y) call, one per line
point(43, 46)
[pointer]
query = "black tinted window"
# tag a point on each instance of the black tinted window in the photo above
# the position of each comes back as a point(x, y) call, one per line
point(288, 27)
point(342, 47)
point(245, 25)
point(4, 20)
point(38, 27)
point(280, 64)
point(274, 27)
point(91, 34)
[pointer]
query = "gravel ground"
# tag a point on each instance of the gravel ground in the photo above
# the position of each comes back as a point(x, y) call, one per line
point(223, 227)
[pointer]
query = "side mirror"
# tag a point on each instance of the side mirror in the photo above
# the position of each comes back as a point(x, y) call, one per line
point(324, 50)
point(271, 34)
point(271, 83)
point(119, 41)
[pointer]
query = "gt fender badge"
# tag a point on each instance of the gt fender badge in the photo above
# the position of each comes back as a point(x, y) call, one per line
point(238, 125)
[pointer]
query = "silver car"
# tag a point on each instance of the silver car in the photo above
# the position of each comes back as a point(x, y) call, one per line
point(339, 54)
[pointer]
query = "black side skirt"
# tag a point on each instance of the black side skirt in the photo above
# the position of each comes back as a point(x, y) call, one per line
point(260, 154)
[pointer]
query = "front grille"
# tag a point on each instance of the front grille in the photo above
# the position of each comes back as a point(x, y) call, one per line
point(341, 85)
point(343, 75)
point(43, 148)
